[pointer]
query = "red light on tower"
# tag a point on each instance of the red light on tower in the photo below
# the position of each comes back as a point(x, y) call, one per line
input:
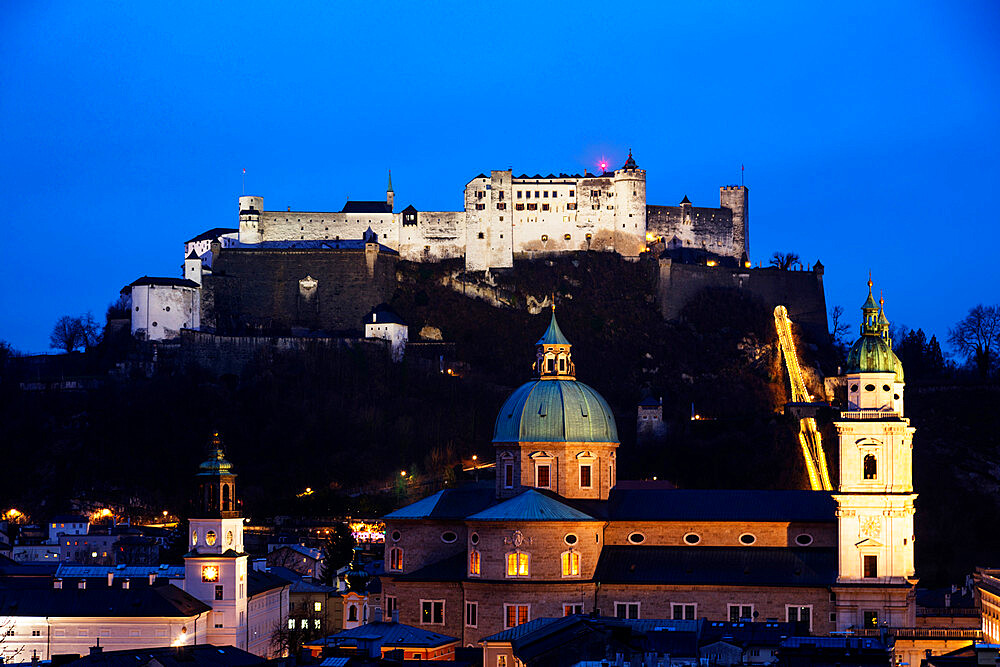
point(604, 166)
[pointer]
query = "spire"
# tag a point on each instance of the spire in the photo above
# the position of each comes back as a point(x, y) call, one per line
point(883, 323)
point(389, 188)
point(553, 358)
point(630, 162)
point(869, 311)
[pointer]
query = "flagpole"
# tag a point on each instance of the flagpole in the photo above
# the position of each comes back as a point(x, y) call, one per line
point(244, 181)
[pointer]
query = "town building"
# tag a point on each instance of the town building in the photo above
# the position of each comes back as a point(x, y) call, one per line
point(385, 324)
point(559, 534)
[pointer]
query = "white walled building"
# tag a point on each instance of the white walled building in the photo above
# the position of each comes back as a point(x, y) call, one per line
point(161, 307)
point(67, 524)
point(383, 323)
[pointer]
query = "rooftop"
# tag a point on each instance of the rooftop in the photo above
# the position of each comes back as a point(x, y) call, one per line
point(386, 633)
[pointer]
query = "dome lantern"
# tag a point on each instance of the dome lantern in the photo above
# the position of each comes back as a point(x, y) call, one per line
point(554, 358)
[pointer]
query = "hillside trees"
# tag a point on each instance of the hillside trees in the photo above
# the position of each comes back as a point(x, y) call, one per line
point(977, 336)
point(71, 333)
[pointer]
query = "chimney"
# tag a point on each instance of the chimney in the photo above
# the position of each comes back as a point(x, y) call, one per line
point(395, 616)
point(94, 650)
point(57, 584)
point(947, 599)
point(377, 615)
point(152, 578)
point(82, 584)
point(111, 577)
point(124, 584)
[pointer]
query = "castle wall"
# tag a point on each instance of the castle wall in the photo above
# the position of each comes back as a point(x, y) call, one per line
point(694, 227)
point(276, 290)
point(159, 312)
point(301, 225)
point(801, 292)
point(437, 235)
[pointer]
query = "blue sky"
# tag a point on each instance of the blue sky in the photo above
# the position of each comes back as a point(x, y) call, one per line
point(869, 131)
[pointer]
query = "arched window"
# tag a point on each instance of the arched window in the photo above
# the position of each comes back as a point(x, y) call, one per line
point(352, 612)
point(225, 498)
point(395, 558)
point(517, 564)
point(871, 467)
point(570, 563)
point(474, 559)
point(211, 496)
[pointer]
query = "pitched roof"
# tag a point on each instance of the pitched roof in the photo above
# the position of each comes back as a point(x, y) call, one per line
point(531, 506)
point(657, 504)
point(729, 566)
point(199, 654)
point(553, 335)
point(167, 600)
point(359, 206)
point(383, 314)
point(164, 282)
point(455, 503)
point(386, 633)
point(639, 625)
point(213, 234)
point(72, 570)
point(260, 582)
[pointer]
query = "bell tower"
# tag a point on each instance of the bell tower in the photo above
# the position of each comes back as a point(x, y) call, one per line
point(875, 500)
point(215, 567)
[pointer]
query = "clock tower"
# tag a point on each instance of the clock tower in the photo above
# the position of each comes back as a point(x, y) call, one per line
point(215, 567)
point(875, 500)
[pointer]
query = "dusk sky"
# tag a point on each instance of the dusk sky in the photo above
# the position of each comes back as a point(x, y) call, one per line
point(870, 131)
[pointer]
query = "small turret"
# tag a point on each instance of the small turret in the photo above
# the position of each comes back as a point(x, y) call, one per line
point(250, 210)
point(217, 483)
point(390, 196)
point(554, 360)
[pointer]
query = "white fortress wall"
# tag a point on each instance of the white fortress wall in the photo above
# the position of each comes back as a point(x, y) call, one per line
point(437, 235)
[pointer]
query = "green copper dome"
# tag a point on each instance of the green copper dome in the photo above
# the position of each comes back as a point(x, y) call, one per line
point(870, 354)
point(555, 411)
point(216, 463)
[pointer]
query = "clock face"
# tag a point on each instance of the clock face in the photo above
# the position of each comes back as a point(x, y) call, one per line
point(229, 538)
point(871, 526)
point(210, 573)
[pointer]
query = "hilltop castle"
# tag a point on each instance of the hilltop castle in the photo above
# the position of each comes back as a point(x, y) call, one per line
point(508, 216)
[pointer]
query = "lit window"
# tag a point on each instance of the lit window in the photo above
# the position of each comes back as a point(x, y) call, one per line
point(515, 614)
point(395, 558)
point(574, 608)
point(317, 606)
point(871, 619)
point(517, 564)
point(474, 564)
point(871, 467)
point(570, 563)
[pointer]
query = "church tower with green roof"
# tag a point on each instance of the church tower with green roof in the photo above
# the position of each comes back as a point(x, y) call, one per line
point(555, 432)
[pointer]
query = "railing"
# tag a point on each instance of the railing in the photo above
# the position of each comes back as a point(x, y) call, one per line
point(869, 414)
point(922, 633)
point(947, 611)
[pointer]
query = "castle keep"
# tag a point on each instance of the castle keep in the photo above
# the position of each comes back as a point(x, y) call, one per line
point(508, 216)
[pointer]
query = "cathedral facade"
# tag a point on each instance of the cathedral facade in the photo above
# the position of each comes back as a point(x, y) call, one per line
point(557, 533)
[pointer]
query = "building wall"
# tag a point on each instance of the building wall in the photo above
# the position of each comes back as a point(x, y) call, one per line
point(329, 290)
point(159, 312)
point(62, 635)
point(722, 533)
point(564, 461)
point(543, 541)
point(421, 541)
point(396, 334)
point(266, 612)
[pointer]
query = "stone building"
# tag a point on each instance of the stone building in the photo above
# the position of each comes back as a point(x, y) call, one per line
point(507, 216)
point(161, 307)
point(558, 534)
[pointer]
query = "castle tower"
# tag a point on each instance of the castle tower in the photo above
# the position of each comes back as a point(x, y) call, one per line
point(192, 267)
point(875, 499)
point(215, 567)
point(737, 199)
point(250, 227)
point(390, 196)
point(630, 208)
point(555, 432)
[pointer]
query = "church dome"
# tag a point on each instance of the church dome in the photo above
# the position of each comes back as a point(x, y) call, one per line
point(870, 354)
point(555, 411)
point(554, 407)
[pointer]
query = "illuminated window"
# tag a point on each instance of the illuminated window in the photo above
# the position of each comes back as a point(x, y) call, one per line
point(432, 612)
point(501, 660)
point(545, 207)
point(573, 608)
point(518, 207)
point(474, 559)
point(871, 619)
point(585, 477)
point(515, 614)
point(532, 207)
point(570, 563)
point(317, 606)
point(871, 467)
point(517, 564)
point(395, 558)
point(210, 538)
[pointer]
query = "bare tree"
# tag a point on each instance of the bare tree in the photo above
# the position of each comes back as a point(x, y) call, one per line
point(784, 260)
point(838, 326)
point(71, 333)
point(10, 649)
point(977, 336)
